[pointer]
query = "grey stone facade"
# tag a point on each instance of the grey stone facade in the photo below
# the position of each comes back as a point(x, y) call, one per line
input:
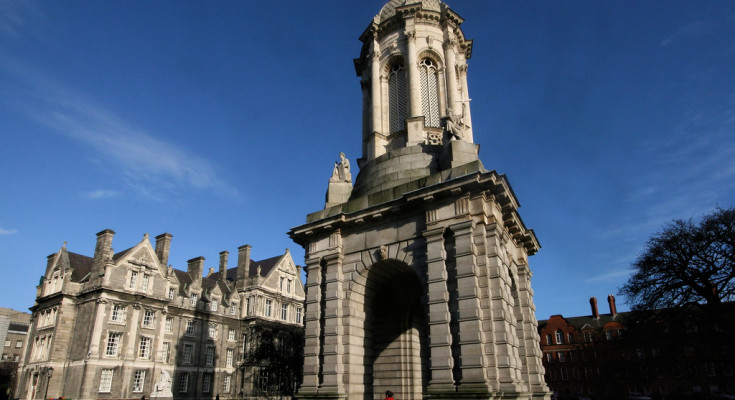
point(126, 324)
point(419, 282)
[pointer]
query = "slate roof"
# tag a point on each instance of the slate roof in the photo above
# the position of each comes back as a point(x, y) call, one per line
point(596, 323)
point(266, 266)
point(80, 265)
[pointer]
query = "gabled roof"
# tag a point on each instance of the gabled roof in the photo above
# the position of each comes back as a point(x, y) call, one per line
point(266, 266)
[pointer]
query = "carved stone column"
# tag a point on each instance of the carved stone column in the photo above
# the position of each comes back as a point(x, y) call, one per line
point(441, 339)
point(414, 84)
point(451, 72)
point(99, 321)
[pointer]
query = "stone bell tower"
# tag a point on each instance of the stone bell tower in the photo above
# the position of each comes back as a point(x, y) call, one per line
point(417, 277)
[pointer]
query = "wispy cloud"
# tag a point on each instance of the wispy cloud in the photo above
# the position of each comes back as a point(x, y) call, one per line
point(101, 194)
point(610, 276)
point(695, 28)
point(4, 231)
point(15, 15)
point(148, 164)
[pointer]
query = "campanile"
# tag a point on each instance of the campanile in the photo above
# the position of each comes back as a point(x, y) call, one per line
point(418, 279)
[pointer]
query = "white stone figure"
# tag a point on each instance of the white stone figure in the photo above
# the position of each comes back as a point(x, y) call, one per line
point(162, 389)
point(455, 124)
point(344, 168)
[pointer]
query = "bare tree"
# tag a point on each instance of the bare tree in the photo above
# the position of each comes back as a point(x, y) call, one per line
point(686, 262)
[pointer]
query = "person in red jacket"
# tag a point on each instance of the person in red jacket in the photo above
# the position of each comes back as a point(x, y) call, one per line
point(389, 395)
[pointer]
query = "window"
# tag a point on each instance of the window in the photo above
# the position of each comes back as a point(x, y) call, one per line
point(428, 76)
point(18, 344)
point(561, 356)
point(212, 331)
point(144, 349)
point(570, 338)
point(118, 313)
point(288, 286)
point(233, 309)
point(7, 343)
point(280, 283)
point(268, 307)
point(169, 324)
point(226, 384)
point(138, 381)
point(214, 304)
point(231, 335)
point(133, 279)
point(184, 382)
point(146, 281)
point(298, 315)
point(171, 293)
point(188, 350)
point(548, 340)
point(247, 306)
point(564, 374)
point(189, 327)
point(193, 300)
point(166, 351)
point(588, 337)
point(549, 357)
point(206, 383)
point(113, 343)
point(284, 311)
point(148, 317)
point(559, 337)
point(620, 333)
point(209, 356)
point(608, 335)
point(397, 99)
point(16, 358)
point(230, 357)
point(106, 380)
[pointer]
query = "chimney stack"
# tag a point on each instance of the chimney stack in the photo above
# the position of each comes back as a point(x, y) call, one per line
point(593, 303)
point(223, 255)
point(196, 268)
point(163, 245)
point(103, 249)
point(611, 302)
point(243, 264)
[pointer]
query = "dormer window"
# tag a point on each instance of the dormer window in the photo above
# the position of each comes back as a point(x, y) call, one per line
point(171, 293)
point(146, 281)
point(193, 299)
point(213, 304)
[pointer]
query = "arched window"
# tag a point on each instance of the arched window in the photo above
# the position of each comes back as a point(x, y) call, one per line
point(429, 92)
point(397, 97)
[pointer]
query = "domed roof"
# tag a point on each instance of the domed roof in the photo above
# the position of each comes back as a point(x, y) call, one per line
point(389, 9)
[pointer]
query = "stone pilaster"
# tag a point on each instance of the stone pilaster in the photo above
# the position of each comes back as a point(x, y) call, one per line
point(450, 46)
point(470, 312)
point(441, 338)
point(333, 367)
point(312, 331)
point(528, 333)
point(99, 322)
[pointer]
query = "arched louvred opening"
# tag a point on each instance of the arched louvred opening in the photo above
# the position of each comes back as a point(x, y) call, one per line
point(429, 75)
point(397, 97)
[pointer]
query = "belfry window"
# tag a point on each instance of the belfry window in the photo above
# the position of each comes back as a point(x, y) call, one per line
point(397, 97)
point(429, 92)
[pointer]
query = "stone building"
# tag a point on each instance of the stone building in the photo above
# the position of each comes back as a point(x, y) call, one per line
point(663, 354)
point(13, 333)
point(13, 337)
point(418, 279)
point(127, 324)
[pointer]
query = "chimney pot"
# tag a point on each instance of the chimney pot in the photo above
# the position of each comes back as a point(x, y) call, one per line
point(611, 302)
point(593, 304)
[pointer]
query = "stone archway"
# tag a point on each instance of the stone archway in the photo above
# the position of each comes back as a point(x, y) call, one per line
point(396, 333)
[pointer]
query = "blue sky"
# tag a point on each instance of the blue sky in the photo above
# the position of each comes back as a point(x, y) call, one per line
point(219, 122)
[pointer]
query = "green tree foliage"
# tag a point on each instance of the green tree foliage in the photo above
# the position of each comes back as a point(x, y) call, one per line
point(687, 262)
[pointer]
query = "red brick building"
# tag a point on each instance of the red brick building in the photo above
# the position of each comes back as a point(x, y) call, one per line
point(665, 354)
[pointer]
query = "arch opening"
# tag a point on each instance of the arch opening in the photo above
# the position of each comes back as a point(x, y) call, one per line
point(396, 332)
